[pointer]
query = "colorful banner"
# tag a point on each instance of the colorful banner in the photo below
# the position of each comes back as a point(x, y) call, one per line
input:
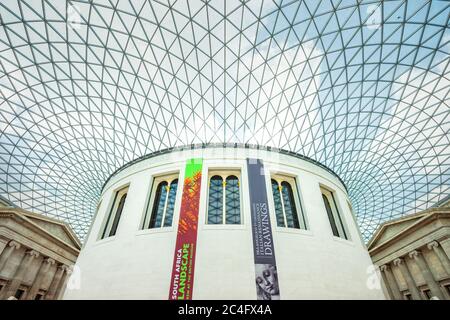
point(182, 281)
point(266, 277)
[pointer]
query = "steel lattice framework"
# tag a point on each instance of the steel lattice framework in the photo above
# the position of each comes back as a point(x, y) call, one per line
point(360, 86)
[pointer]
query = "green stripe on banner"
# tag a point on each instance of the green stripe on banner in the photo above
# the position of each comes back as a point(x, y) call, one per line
point(182, 280)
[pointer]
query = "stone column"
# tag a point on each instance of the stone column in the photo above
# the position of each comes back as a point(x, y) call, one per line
point(63, 282)
point(445, 244)
point(43, 270)
point(3, 244)
point(441, 255)
point(14, 284)
point(426, 272)
point(409, 279)
point(55, 282)
point(391, 283)
point(12, 245)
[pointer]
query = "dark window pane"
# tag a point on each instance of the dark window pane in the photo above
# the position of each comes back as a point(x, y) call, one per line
point(117, 215)
point(289, 206)
point(158, 205)
point(330, 215)
point(344, 235)
point(171, 203)
point(19, 294)
point(233, 206)
point(447, 287)
point(277, 203)
point(427, 294)
point(215, 202)
point(109, 215)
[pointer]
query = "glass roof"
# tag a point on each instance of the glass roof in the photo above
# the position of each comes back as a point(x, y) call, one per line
point(360, 86)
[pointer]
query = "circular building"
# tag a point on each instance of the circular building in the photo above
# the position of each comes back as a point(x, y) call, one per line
point(224, 222)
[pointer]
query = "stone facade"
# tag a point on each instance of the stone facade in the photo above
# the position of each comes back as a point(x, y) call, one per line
point(36, 254)
point(413, 254)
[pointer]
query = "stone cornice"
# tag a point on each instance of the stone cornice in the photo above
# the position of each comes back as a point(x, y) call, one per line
point(232, 146)
point(419, 243)
point(58, 254)
point(433, 214)
point(19, 219)
point(18, 215)
point(379, 231)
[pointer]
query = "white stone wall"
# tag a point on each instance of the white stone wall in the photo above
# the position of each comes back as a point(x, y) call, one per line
point(137, 264)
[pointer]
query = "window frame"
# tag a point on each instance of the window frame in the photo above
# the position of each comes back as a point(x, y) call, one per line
point(169, 177)
point(446, 286)
point(105, 230)
point(224, 174)
point(337, 213)
point(20, 292)
point(426, 293)
point(38, 296)
point(301, 216)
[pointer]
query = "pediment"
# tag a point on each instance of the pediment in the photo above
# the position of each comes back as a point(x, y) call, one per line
point(56, 229)
point(389, 230)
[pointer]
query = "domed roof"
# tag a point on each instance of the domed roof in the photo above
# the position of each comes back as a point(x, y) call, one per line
point(360, 86)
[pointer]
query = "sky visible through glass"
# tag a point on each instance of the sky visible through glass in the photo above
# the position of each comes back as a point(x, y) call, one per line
point(360, 86)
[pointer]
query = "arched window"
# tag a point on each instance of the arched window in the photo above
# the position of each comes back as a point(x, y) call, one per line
point(289, 205)
point(215, 205)
point(330, 215)
point(233, 201)
point(161, 206)
point(158, 205)
point(112, 222)
point(285, 203)
point(278, 205)
point(118, 214)
point(224, 199)
point(171, 203)
point(336, 223)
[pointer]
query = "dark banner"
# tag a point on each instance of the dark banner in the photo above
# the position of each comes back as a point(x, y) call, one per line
point(182, 280)
point(266, 278)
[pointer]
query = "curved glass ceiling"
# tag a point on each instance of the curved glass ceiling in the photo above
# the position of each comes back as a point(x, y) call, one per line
point(360, 86)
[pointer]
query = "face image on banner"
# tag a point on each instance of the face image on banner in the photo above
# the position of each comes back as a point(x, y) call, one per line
point(266, 275)
point(267, 282)
point(182, 280)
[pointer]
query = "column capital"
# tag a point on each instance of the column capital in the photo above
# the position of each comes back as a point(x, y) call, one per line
point(63, 267)
point(398, 261)
point(69, 269)
point(50, 261)
point(33, 253)
point(384, 268)
point(414, 254)
point(14, 244)
point(432, 245)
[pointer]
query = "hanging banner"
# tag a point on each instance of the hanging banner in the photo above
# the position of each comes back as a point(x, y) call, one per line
point(182, 280)
point(266, 278)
